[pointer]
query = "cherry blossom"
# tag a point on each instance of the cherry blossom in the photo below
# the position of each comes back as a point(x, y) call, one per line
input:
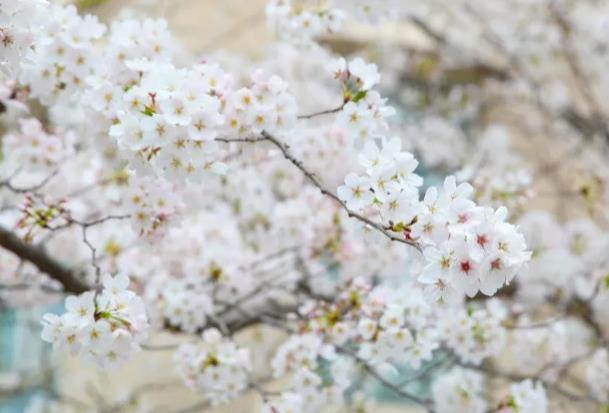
point(382, 212)
point(526, 396)
point(218, 369)
point(459, 390)
point(106, 328)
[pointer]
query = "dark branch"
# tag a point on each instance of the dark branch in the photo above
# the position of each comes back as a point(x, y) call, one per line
point(315, 181)
point(38, 256)
point(323, 112)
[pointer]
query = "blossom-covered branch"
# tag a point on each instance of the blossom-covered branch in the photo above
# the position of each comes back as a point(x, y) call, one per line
point(209, 199)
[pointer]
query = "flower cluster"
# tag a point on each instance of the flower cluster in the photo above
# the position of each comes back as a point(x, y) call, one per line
point(302, 21)
point(217, 368)
point(302, 355)
point(387, 339)
point(356, 76)
point(129, 42)
point(169, 120)
point(151, 205)
point(459, 391)
point(474, 334)
point(364, 117)
point(468, 248)
point(262, 105)
point(19, 24)
point(299, 351)
point(35, 149)
point(106, 327)
point(363, 112)
point(525, 397)
point(379, 322)
point(57, 67)
point(184, 303)
point(380, 325)
point(390, 183)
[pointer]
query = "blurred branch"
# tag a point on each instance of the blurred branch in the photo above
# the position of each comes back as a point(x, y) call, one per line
point(38, 256)
point(34, 189)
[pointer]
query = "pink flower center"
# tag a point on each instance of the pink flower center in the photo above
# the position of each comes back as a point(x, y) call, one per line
point(466, 267)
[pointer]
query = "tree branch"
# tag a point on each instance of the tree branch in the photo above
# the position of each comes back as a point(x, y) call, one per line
point(323, 112)
point(38, 256)
point(315, 181)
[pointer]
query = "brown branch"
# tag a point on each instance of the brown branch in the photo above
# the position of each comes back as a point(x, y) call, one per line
point(316, 182)
point(26, 286)
point(395, 388)
point(428, 30)
point(323, 112)
point(34, 189)
point(38, 256)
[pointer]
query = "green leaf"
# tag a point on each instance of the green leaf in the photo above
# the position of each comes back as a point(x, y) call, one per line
point(359, 96)
point(148, 111)
point(606, 281)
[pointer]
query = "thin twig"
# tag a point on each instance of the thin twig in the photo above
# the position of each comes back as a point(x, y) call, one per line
point(33, 189)
point(316, 182)
point(323, 112)
point(38, 256)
